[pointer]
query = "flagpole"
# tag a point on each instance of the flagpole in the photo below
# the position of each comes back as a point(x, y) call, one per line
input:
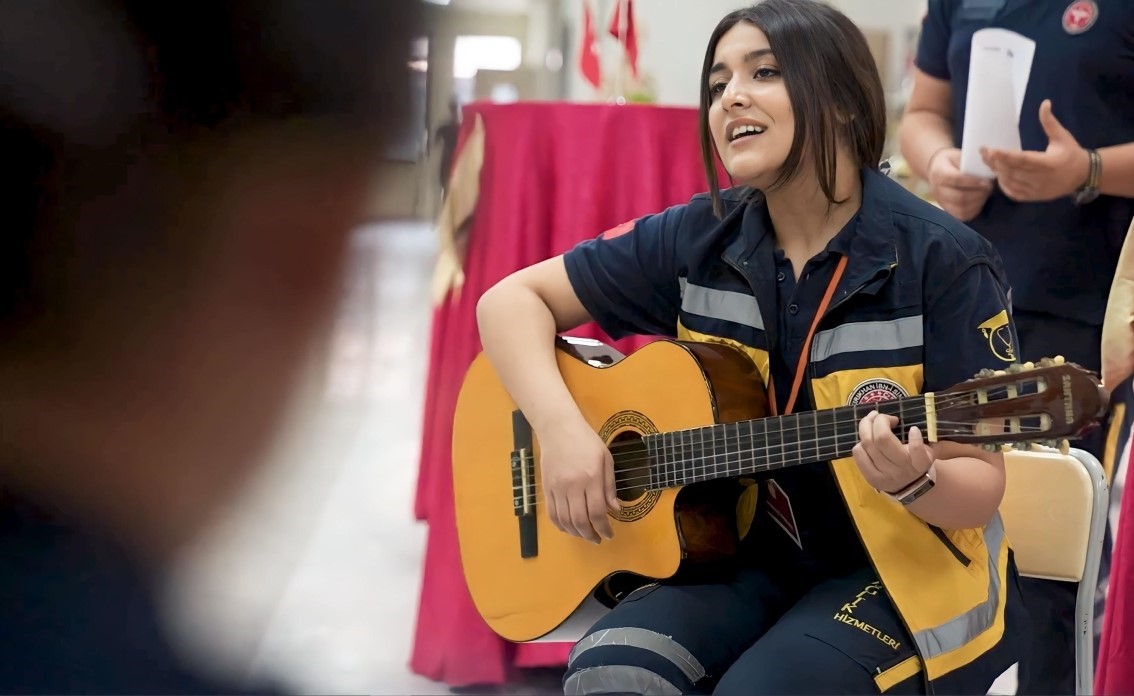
point(620, 96)
point(597, 28)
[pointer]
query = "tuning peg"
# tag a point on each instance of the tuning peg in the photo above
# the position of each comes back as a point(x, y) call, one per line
point(1029, 365)
point(1047, 362)
point(990, 448)
point(1007, 448)
point(1035, 447)
point(1015, 369)
point(1064, 446)
point(985, 372)
point(1058, 360)
point(999, 373)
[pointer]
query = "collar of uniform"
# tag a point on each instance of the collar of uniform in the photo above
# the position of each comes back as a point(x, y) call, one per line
point(870, 243)
point(872, 246)
point(873, 250)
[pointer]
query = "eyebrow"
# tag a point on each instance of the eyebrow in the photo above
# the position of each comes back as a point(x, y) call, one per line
point(748, 58)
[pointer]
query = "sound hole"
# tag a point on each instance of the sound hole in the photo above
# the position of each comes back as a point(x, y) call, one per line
point(631, 465)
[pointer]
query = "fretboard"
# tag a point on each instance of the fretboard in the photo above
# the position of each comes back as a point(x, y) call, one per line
point(747, 447)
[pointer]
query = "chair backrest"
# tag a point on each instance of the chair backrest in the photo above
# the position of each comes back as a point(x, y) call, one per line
point(1047, 510)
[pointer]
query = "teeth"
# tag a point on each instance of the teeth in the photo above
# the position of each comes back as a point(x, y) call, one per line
point(745, 130)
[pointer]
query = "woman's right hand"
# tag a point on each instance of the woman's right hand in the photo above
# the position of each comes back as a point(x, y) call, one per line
point(578, 481)
point(961, 195)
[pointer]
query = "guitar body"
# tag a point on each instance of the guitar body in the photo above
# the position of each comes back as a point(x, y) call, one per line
point(526, 577)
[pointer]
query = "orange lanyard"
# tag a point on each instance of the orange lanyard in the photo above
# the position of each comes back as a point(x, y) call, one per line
point(806, 350)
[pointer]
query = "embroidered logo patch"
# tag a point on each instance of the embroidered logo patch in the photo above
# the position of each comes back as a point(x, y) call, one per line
point(873, 391)
point(619, 230)
point(999, 336)
point(1080, 16)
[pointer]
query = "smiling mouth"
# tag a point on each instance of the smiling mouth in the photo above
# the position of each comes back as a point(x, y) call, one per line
point(744, 132)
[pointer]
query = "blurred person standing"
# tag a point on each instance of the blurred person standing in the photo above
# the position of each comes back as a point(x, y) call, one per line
point(180, 190)
point(1057, 211)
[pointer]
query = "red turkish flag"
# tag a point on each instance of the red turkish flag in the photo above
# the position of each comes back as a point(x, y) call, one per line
point(589, 53)
point(624, 13)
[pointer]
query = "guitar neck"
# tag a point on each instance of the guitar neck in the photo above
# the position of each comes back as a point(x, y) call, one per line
point(747, 447)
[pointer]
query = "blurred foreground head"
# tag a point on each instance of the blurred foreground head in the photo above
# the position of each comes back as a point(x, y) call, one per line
point(180, 180)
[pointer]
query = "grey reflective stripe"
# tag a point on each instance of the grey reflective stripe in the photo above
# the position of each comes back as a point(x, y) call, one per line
point(720, 304)
point(647, 640)
point(868, 335)
point(617, 679)
point(956, 632)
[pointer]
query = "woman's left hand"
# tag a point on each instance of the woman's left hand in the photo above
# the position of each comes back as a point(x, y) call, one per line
point(1058, 171)
point(885, 462)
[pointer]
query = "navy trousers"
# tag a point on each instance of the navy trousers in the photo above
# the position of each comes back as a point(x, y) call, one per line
point(746, 632)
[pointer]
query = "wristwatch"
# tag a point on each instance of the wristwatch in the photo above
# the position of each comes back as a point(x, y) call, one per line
point(918, 488)
point(1090, 190)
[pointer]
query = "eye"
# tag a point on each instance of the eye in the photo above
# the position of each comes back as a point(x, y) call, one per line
point(765, 73)
point(716, 89)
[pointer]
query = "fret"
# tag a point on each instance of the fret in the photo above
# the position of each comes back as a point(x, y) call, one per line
point(903, 428)
point(720, 450)
point(708, 465)
point(758, 446)
point(768, 442)
point(744, 445)
point(826, 435)
point(692, 464)
point(726, 451)
point(686, 456)
point(732, 450)
point(692, 468)
point(683, 459)
point(789, 438)
point(652, 453)
point(736, 453)
point(701, 455)
point(804, 447)
point(690, 475)
point(670, 460)
point(818, 442)
point(675, 443)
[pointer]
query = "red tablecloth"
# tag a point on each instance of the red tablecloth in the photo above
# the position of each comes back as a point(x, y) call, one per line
point(552, 175)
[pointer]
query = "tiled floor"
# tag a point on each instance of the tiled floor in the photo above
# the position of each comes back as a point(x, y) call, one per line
point(314, 578)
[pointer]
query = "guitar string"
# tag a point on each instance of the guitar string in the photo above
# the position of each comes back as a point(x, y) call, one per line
point(678, 447)
point(644, 480)
point(944, 401)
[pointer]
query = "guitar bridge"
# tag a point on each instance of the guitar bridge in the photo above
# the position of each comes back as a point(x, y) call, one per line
point(523, 485)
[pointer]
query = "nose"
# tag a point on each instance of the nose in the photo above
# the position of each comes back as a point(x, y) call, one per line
point(734, 97)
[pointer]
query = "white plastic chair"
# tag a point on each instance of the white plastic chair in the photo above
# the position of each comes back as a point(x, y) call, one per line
point(1054, 512)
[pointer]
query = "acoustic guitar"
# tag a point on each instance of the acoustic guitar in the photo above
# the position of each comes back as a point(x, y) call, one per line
point(683, 421)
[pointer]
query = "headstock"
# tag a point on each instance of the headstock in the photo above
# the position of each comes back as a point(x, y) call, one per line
point(1025, 403)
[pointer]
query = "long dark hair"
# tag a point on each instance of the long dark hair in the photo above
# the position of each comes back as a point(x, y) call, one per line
point(832, 81)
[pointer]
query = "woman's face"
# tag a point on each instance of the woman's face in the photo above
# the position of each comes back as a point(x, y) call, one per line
point(750, 116)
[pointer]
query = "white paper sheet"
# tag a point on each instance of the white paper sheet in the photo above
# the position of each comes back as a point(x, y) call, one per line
point(999, 68)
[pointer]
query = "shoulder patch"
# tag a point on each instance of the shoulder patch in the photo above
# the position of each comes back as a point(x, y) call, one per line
point(999, 336)
point(619, 230)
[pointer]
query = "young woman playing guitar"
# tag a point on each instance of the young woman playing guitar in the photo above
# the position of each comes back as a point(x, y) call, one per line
point(885, 572)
